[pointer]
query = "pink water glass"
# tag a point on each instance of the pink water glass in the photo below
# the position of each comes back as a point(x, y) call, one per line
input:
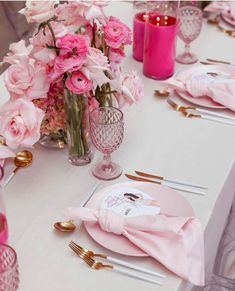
point(189, 27)
point(107, 129)
point(160, 40)
point(9, 274)
point(138, 29)
point(3, 220)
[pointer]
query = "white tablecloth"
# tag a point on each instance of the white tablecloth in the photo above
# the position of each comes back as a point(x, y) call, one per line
point(157, 139)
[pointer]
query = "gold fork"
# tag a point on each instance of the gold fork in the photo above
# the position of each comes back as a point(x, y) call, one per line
point(84, 253)
point(178, 107)
point(95, 265)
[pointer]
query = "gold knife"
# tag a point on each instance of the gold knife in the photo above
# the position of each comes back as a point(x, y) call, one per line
point(141, 179)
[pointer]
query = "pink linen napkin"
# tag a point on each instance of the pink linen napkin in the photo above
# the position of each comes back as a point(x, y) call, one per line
point(5, 152)
point(176, 242)
point(225, 7)
point(198, 83)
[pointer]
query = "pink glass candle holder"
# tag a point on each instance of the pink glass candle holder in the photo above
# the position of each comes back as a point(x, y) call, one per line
point(159, 46)
point(138, 35)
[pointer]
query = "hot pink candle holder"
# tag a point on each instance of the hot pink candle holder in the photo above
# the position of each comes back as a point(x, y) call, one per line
point(159, 46)
point(138, 35)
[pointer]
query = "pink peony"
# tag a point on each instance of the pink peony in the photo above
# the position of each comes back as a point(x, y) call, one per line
point(26, 80)
point(95, 66)
point(116, 33)
point(18, 50)
point(20, 123)
point(38, 11)
point(78, 83)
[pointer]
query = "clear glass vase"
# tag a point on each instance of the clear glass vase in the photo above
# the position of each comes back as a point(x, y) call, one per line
point(78, 131)
point(54, 140)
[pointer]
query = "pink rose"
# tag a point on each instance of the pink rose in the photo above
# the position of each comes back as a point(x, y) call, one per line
point(73, 44)
point(78, 83)
point(26, 80)
point(116, 33)
point(95, 66)
point(39, 41)
point(116, 55)
point(38, 11)
point(18, 50)
point(20, 123)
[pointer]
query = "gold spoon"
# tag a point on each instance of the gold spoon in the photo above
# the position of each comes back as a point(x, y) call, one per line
point(65, 226)
point(22, 160)
point(162, 93)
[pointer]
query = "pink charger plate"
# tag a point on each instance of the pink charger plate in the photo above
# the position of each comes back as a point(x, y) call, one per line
point(171, 202)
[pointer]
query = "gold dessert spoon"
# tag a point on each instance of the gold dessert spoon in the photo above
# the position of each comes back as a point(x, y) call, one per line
point(22, 159)
point(65, 226)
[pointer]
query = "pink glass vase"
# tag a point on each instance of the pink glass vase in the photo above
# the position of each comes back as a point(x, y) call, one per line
point(160, 40)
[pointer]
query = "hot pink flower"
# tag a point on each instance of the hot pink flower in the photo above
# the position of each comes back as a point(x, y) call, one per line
point(20, 123)
point(73, 44)
point(116, 33)
point(26, 80)
point(78, 83)
point(38, 11)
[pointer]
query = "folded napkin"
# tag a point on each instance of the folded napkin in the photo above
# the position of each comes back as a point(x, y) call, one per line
point(198, 82)
point(176, 242)
point(225, 7)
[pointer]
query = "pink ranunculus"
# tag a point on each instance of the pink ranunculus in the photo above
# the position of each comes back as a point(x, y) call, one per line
point(38, 11)
point(63, 64)
point(73, 44)
point(20, 123)
point(18, 50)
point(78, 83)
point(26, 80)
point(95, 66)
point(116, 33)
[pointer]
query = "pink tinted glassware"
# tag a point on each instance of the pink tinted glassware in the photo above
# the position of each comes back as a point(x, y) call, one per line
point(107, 129)
point(189, 27)
point(3, 220)
point(9, 274)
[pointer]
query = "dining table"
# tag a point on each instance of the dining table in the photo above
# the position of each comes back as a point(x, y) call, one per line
point(157, 140)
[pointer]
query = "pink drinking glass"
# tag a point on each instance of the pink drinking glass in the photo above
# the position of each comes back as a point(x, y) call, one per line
point(107, 128)
point(9, 274)
point(189, 27)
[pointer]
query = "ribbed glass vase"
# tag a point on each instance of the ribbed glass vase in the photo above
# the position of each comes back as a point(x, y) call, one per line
point(78, 131)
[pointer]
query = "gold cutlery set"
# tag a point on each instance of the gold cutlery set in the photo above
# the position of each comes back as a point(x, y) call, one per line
point(175, 184)
point(189, 112)
point(88, 257)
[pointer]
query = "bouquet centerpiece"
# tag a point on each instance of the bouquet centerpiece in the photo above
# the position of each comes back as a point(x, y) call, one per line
point(71, 66)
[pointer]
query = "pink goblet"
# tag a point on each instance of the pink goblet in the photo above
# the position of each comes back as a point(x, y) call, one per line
point(107, 128)
point(189, 27)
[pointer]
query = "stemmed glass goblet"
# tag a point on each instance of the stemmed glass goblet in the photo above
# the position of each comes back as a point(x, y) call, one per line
point(189, 27)
point(107, 128)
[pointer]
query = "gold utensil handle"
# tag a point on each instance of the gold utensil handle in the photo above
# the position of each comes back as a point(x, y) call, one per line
point(148, 175)
point(141, 179)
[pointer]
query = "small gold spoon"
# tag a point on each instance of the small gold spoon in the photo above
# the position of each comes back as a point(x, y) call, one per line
point(22, 160)
point(162, 93)
point(65, 226)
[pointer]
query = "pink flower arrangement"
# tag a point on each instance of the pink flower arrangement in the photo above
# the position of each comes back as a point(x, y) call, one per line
point(76, 47)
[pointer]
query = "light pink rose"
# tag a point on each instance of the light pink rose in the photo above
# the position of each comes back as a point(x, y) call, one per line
point(26, 80)
point(38, 11)
point(20, 123)
point(116, 55)
point(130, 88)
point(95, 66)
point(39, 41)
point(73, 44)
point(18, 50)
point(116, 33)
point(78, 83)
